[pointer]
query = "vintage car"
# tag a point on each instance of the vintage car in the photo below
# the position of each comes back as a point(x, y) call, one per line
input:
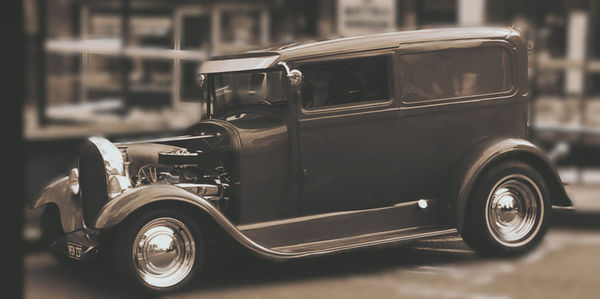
point(317, 148)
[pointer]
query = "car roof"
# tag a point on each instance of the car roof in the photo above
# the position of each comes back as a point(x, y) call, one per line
point(269, 57)
point(377, 41)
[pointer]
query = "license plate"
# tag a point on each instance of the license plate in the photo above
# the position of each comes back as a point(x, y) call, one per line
point(74, 251)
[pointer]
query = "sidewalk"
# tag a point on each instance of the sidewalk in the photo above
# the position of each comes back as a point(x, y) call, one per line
point(583, 187)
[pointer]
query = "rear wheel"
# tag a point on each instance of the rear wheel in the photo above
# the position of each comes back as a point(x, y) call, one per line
point(508, 211)
point(159, 250)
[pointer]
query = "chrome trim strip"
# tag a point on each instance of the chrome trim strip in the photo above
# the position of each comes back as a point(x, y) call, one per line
point(563, 208)
point(176, 138)
point(342, 239)
point(318, 216)
point(359, 244)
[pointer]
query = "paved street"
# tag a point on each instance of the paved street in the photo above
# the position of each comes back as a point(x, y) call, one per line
point(566, 265)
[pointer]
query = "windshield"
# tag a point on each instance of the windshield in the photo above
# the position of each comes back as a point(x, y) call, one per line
point(233, 90)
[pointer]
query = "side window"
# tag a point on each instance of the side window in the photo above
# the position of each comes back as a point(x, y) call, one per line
point(454, 73)
point(345, 81)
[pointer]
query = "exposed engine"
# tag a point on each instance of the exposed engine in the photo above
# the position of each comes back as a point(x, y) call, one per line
point(196, 172)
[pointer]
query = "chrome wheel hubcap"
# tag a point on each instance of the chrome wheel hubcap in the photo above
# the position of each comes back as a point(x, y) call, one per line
point(164, 252)
point(514, 210)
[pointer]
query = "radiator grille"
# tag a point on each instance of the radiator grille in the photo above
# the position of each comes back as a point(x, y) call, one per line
point(92, 181)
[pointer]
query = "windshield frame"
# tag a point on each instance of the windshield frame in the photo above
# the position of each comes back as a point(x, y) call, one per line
point(209, 91)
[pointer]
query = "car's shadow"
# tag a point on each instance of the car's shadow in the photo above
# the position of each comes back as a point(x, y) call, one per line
point(250, 270)
point(577, 220)
point(244, 269)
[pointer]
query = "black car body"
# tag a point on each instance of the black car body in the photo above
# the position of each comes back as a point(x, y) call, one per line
point(321, 147)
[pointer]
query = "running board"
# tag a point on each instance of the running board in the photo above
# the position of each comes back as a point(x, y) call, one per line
point(404, 217)
point(363, 241)
point(328, 233)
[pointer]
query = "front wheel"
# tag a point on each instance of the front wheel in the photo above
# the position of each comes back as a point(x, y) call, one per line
point(159, 250)
point(508, 211)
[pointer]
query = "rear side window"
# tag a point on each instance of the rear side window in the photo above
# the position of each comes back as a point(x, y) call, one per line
point(345, 81)
point(454, 73)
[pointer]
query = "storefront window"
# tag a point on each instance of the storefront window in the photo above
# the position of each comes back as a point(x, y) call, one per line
point(196, 32)
point(431, 12)
point(240, 28)
point(103, 25)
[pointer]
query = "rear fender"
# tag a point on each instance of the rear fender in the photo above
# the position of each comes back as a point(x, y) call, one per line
point(489, 152)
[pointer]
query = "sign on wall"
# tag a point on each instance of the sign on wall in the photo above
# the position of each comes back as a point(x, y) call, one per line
point(357, 17)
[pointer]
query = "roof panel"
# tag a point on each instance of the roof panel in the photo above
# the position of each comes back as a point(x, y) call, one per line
point(269, 57)
point(390, 40)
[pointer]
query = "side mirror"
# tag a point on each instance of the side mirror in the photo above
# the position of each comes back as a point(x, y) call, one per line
point(295, 75)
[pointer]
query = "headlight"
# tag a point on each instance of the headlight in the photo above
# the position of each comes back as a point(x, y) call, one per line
point(74, 181)
point(117, 184)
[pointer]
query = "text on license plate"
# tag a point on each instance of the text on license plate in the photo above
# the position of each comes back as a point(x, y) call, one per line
point(74, 251)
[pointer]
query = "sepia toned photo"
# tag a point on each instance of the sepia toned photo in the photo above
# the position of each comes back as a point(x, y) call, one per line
point(326, 149)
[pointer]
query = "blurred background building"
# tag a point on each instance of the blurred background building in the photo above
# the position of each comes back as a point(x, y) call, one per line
point(125, 68)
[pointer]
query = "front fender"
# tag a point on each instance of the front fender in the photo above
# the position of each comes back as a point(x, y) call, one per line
point(488, 152)
point(131, 200)
point(123, 205)
point(69, 205)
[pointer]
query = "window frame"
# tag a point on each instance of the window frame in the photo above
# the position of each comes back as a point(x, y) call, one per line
point(428, 47)
point(352, 107)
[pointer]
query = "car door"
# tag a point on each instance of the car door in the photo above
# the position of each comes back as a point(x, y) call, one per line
point(347, 119)
point(453, 95)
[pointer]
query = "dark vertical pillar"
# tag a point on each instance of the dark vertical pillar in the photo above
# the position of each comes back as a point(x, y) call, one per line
point(125, 15)
point(12, 77)
point(311, 14)
point(583, 98)
point(408, 14)
point(585, 158)
point(591, 39)
point(76, 61)
point(42, 13)
point(535, 16)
